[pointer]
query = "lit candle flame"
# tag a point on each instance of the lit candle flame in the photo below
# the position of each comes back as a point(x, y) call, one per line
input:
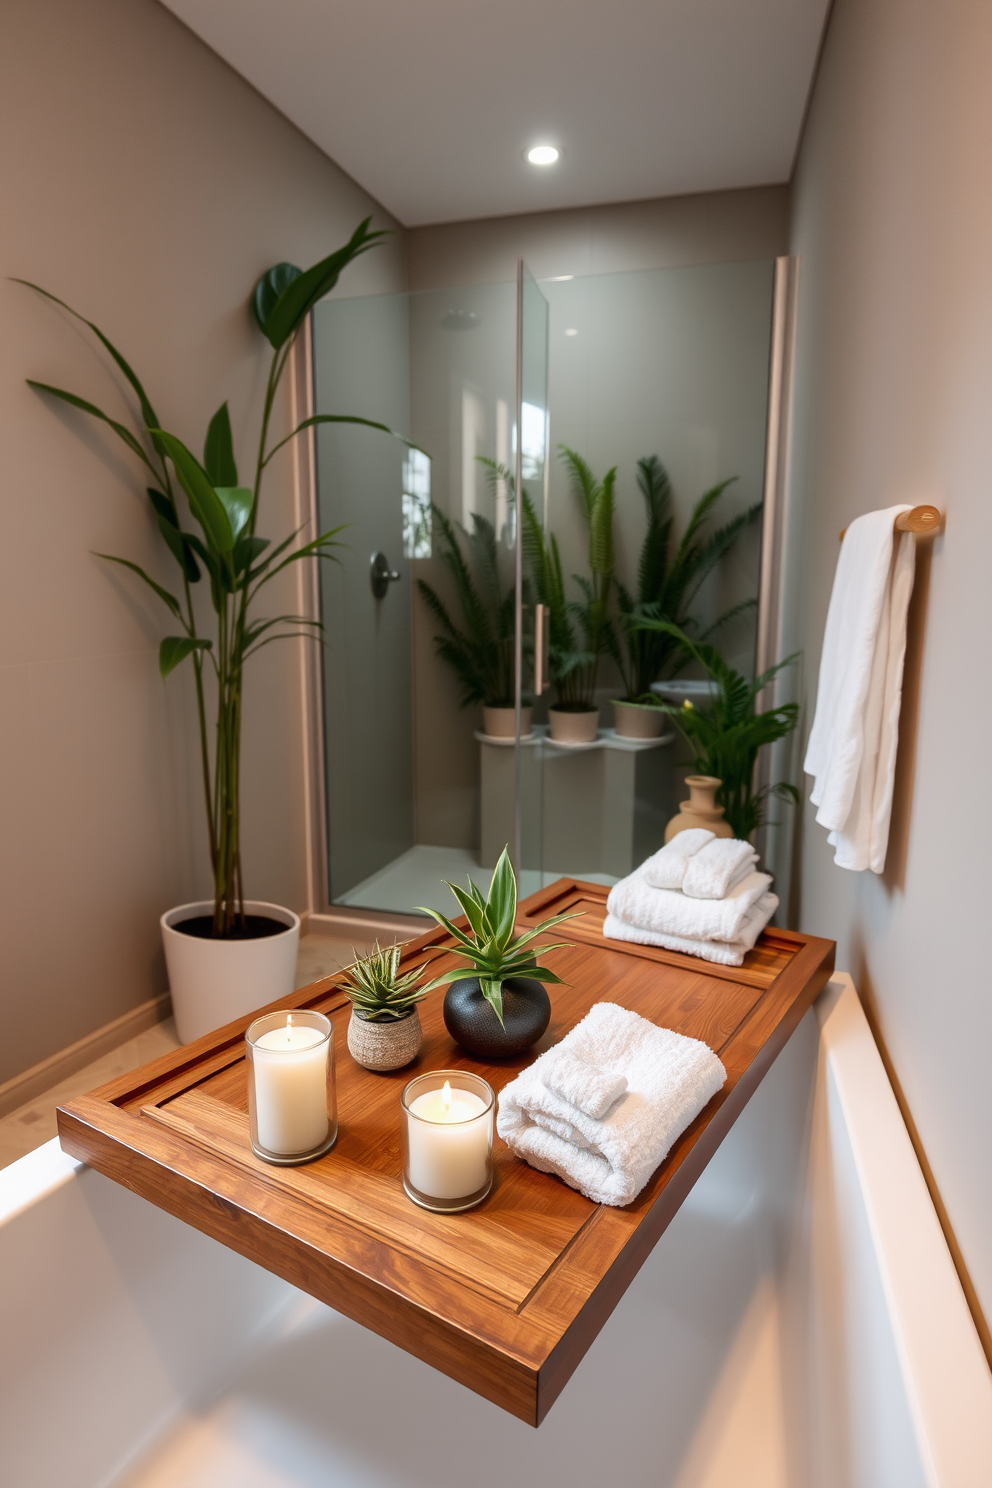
point(446, 1095)
point(289, 1027)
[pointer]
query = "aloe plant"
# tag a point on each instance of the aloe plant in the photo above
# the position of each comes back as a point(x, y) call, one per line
point(726, 737)
point(378, 993)
point(238, 563)
point(667, 584)
point(488, 944)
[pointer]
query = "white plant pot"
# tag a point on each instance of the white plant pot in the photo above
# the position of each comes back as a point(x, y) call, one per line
point(215, 981)
point(573, 728)
point(501, 723)
point(638, 720)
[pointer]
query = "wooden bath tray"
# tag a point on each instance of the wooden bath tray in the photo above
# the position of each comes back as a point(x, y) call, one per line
point(507, 1298)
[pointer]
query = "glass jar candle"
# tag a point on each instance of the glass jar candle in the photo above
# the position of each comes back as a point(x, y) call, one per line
point(448, 1140)
point(292, 1102)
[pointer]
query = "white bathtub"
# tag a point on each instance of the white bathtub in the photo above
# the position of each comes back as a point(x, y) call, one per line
point(799, 1326)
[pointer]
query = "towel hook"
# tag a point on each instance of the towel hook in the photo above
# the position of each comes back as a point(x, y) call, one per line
point(924, 521)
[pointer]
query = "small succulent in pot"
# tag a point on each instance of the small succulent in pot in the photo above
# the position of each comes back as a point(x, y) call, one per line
point(384, 1031)
point(503, 1009)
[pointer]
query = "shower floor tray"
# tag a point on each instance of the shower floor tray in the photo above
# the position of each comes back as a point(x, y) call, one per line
point(507, 1298)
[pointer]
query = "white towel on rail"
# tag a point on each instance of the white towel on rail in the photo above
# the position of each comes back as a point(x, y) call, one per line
point(723, 953)
point(668, 912)
point(670, 1078)
point(852, 744)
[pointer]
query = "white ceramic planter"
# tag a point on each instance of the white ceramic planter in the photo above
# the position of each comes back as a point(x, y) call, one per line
point(501, 723)
point(215, 981)
point(573, 728)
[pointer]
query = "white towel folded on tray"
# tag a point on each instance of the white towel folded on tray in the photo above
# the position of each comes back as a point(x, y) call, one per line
point(668, 912)
point(722, 953)
point(700, 864)
point(667, 868)
point(670, 1078)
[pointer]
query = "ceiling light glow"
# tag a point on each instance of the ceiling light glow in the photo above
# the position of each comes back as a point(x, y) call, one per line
point(572, 331)
point(543, 155)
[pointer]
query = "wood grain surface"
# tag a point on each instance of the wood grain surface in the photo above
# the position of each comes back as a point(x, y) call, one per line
point(508, 1297)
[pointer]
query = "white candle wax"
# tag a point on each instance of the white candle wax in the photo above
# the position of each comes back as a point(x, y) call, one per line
point(448, 1154)
point(290, 1075)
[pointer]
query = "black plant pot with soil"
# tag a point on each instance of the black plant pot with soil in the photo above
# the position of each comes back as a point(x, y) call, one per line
point(473, 1023)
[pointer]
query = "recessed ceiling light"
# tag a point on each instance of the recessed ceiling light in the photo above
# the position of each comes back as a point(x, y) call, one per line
point(543, 155)
point(571, 331)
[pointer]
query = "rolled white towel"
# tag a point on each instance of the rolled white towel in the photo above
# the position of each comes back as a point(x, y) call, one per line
point(716, 868)
point(670, 1078)
point(667, 868)
point(634, 901)
point(720, 952)
point(588, 1087)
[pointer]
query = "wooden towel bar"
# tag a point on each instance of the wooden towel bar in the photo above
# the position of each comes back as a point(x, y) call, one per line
point(925, 521)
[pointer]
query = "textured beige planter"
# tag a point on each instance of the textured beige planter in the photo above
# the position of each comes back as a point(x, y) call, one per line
point(700, 810)
point(501, 723)
point(638, 720)
point(573, 728)
point(384, 1045)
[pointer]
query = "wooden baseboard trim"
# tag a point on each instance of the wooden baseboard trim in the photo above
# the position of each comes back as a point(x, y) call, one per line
point(363, 924)
point(41, 1077)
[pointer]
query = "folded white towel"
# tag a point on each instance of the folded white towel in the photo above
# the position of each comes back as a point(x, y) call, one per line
point(670, 1079)
point(634, 901)
point(852, 744)
point(722, 953)
point(588, 1087)
point(667, 868)
point(721, 864)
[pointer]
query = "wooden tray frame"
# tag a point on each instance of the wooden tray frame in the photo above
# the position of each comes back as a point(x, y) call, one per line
point(506, 1299)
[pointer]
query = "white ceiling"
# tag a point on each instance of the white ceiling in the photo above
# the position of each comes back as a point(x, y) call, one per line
point(431, 104)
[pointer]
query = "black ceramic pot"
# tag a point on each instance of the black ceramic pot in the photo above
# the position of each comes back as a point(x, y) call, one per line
point(471, 1021)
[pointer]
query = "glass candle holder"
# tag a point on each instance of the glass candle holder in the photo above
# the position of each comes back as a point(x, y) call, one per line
point(448, 1140)
point(292, 1101)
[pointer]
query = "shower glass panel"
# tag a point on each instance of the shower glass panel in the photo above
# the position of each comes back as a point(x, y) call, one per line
point(671, 363)
point(488, 382)
point(402, 754)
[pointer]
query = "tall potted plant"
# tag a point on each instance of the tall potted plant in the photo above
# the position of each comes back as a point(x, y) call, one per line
point(229, 954)
point(666, 589)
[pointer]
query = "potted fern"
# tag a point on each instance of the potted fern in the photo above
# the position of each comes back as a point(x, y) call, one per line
point(503, 1009)
point(478, 644)
point(384, 1031)
point(229, 954)
point(667, 586)
point(724, 739)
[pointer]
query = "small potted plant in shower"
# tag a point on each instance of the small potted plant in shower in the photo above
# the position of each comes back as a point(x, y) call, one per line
point(503, 1009)
point(384, 1031)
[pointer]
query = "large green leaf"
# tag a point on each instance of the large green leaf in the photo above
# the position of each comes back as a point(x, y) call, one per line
point(269, 288)
point(178, 542)
point(218, 450)
point(174, 649)
point(340, 418)
point(119, 429)
point(237, 501)
point(207, 507)
point(163, 594)
point(147, 411)
point(304, 290)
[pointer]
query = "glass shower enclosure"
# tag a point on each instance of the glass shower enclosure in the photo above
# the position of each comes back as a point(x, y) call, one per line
point(432, 609)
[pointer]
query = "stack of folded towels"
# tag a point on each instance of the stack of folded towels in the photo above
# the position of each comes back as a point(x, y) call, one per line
point(700, 894)
point(602, 1108)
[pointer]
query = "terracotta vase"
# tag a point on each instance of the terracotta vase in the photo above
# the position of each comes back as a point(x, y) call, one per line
point(638, 720)
point(501, 723)
point(573, 725)
point(700, 810)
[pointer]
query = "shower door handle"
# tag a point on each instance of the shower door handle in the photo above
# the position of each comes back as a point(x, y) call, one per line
point(381, 575)
point(541, 642)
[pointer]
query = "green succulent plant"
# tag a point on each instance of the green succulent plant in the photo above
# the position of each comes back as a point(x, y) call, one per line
point(489, 944)
point(378, 993)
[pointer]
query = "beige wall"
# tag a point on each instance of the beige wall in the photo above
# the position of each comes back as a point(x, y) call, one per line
point(893, 224)
point(713, 227)
point(148, 185)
